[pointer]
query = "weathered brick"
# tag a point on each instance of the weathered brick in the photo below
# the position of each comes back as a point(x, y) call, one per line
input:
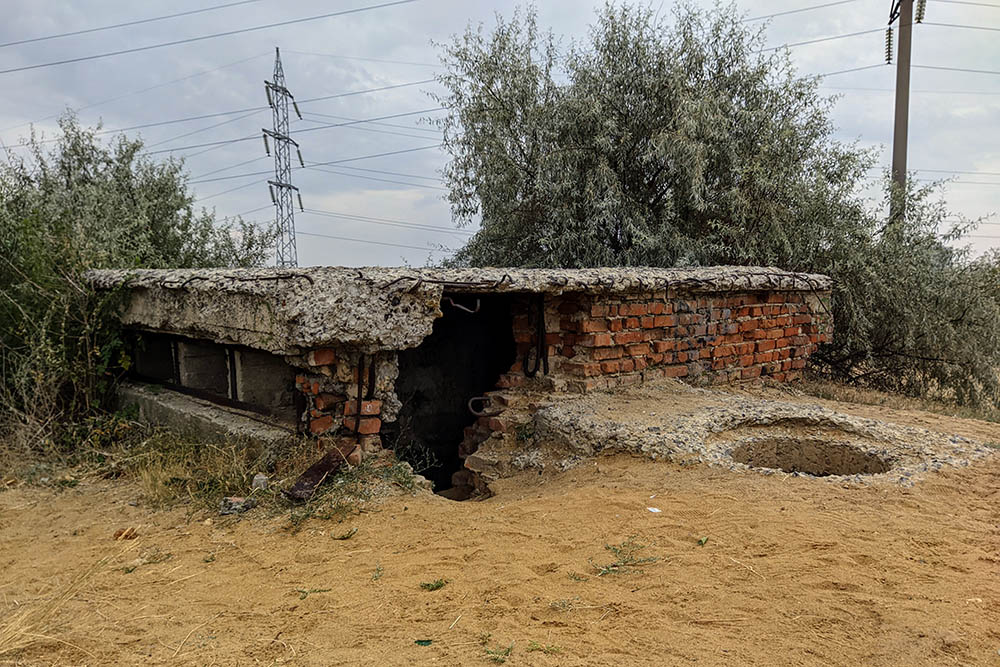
point(664, 345)
point(326, 401)
point(633, 309)
point(626, 337)
point(592, 325)
point(616, 325)
point(599, 310)
point(367, 426)
point(321, 425)
point(723, 351)
point(603, 340)
point(611, 366)
point(601, 353)
point(637, 350)
point(322, 357)
point(367, 407)
point(765, 345)
point(647, 322)
point(675, 371)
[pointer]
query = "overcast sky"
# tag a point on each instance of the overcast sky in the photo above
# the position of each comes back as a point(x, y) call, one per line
point(954, 116)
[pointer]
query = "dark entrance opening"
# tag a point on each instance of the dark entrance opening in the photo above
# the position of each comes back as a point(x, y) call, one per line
point(462, 358)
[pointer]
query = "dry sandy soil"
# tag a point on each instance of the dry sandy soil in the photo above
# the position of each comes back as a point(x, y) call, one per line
point(794, 571)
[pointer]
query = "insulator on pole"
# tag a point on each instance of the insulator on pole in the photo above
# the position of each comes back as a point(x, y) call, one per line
point(267, 148)
point(270, 189)
point(296, 107)
point(888, 45)
point(270, 100)
point(301, 207)
point(301, 161)
point(921, 10)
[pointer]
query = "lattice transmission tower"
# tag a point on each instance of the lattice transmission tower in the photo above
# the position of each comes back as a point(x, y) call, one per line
point(278, 96)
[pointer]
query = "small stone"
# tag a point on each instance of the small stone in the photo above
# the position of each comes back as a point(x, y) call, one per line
point(259, 482)
point(236, 505)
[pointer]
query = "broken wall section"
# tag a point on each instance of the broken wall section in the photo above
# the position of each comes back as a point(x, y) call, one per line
point(329, 379)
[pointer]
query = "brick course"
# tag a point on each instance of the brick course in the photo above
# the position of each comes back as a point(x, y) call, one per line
point(598, 341)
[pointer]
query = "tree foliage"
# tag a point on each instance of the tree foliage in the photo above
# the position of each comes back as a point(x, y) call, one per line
point(77, 206)
point(665, 143)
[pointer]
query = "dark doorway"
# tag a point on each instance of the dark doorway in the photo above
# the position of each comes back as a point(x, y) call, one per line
point(463, 357)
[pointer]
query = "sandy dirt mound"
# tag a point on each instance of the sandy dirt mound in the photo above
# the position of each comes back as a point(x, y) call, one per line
point(748, 570)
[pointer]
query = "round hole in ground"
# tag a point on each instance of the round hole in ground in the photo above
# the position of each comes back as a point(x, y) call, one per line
point(812, 456)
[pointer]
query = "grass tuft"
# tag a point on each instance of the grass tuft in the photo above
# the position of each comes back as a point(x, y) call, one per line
point(437, 584)
point(627, 558)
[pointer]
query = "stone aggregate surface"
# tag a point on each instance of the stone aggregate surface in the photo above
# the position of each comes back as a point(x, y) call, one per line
point(583, 426)
point(282, 310)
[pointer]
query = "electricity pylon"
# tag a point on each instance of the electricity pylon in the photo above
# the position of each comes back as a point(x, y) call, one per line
point(281, 187)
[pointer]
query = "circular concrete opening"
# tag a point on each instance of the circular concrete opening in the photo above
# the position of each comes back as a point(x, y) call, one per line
point(812, 456)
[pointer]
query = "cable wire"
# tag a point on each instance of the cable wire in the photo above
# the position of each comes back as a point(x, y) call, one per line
point(320, 164)
point(813, 41)
point(957, 69)
point(374, 60)
point(375, 178)
point(128, 23)
point(199, 38)
point(389, 222)
point(144, 90)
point(256, 135)
point(967, 27)
point(384, 243)
point(797, 11)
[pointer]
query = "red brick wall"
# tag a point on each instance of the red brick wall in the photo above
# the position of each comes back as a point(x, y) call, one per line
point(597, 341)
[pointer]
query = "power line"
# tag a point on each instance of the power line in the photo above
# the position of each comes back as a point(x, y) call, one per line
point(362, 129)
point(394, 173)
point(123, 25)
point(374, 178)
point(320, 164)
point(967, 27)
point(958, 69)
point(384, 243)
point(389, 222)
point(374, 60)
point(797, 11)
point(936, 92)
point(852, 69)
point(431, 130)
point(813, 41)
point(230, 112)
point(946, 171)
point(967, 2)
point(227, 33)
point(226, 192)
point(203, 129)
point(249, 137)
point(369, 90)
point(145, 90)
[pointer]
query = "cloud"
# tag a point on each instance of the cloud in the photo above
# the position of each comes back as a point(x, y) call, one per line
point(948, 131)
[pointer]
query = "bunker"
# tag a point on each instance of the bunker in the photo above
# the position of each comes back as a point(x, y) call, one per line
point(433, 362)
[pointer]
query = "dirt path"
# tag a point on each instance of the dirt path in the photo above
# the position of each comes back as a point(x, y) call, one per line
point(794, 572)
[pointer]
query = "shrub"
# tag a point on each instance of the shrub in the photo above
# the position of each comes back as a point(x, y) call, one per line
point(82, 205)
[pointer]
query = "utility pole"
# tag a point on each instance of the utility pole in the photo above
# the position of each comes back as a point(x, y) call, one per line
point(902, 10)
point(281, 187)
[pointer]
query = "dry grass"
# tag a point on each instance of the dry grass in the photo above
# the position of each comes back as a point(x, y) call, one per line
point(38, 623)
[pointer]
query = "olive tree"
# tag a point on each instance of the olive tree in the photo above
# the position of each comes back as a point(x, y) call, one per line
point(656, 142)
